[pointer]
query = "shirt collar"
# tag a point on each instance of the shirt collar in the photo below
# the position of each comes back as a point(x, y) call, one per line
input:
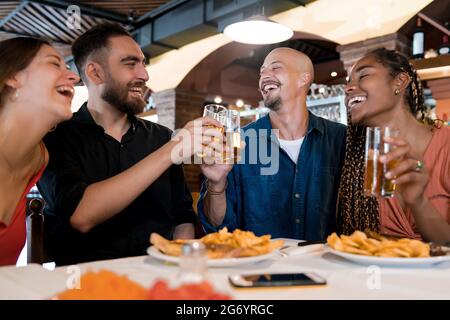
point(84, 116)
point(314, 123)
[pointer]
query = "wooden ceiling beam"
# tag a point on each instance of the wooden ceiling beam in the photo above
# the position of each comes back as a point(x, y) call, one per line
point(89, 10)
point(13, 13)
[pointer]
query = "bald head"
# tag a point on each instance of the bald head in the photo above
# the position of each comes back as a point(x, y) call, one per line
point(285, 78)
point(294, 59)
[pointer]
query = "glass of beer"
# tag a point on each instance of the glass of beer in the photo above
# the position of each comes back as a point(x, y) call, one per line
point(232, 126)
point(214, 111)
point(375, 183)
point(217, 112)
point(387, 186)
point(373, 168)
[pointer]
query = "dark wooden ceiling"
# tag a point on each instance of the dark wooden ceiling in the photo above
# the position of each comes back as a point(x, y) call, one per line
point(318, 50)
point(7, 7)
point(138, 7)
point(48, 18)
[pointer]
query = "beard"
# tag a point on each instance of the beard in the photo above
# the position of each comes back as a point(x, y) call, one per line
point(116, 94)
point(273, 104)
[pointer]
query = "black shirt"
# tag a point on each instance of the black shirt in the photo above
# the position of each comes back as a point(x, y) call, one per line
point(81, 153)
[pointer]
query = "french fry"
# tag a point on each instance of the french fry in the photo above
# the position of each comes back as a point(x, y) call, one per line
point(373, 244)
point(223, 244)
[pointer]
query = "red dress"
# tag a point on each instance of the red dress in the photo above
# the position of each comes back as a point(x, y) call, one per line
point(13, 236)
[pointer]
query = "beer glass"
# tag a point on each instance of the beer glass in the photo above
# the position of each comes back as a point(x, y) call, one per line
point(217, 112)
point(387, 186)
point(373, 169)
point(232, 127)
point(375, 182)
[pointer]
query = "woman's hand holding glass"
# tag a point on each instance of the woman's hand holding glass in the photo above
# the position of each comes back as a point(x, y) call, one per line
point(409, 173)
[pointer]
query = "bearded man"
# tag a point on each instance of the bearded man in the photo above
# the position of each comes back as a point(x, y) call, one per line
point(291, 191)
point(111, 180)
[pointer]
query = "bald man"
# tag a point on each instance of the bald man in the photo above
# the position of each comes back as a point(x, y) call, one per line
point(287, 182)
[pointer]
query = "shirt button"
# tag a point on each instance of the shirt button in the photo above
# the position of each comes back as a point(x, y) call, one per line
point(121, 145)
point(297, 195)
point(297, 220)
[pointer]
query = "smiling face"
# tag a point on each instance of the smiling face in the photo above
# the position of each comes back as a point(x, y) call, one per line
point(125, 76)
point(47, 84)
point(281, 77)
point(370, 91)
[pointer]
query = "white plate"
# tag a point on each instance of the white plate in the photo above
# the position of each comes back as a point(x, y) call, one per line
point(383, 261)
point(289, 242)
point(155, 253)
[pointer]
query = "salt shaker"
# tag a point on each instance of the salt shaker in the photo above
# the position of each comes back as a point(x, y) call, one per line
point(193, 263)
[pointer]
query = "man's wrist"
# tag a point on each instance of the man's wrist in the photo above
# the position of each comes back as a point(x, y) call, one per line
point(216, 187)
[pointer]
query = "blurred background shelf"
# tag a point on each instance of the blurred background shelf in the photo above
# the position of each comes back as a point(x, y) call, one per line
point(433, 68)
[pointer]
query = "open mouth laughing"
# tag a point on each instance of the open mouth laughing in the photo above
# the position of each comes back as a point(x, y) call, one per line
point(267, 86)
point(355, 101)
point(66, 91)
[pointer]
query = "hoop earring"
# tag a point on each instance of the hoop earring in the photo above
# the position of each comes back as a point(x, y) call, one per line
point(397, 92)
point(53, 128)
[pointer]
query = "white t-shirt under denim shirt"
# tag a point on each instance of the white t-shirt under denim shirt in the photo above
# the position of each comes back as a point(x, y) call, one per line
point(292, 147)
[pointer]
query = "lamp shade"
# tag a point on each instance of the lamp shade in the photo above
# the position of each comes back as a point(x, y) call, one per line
point(258, 30)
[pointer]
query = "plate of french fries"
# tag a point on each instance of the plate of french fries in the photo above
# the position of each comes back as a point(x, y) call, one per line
point(223, 248)
point(372, 248)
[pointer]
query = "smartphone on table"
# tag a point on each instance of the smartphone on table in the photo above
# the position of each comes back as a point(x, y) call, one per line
point(276, 280)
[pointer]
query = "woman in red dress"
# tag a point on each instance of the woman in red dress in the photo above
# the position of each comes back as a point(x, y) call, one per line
point(36, 92)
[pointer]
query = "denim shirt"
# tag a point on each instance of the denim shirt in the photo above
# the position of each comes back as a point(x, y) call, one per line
point(296, 201)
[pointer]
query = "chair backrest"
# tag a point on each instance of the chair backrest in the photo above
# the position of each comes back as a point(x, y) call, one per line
point(35, 231)
point(199, 232)
point(195, 196)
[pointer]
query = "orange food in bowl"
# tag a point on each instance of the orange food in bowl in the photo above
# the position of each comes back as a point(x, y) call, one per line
point(105, 285)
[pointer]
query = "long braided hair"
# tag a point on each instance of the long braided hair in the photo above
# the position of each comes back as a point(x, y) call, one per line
point(355, 210)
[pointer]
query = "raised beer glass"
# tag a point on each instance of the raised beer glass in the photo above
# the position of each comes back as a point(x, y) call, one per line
point(375, 182)
point(387, 186)
point(232, 126)
point(373, 168)
point(217, 112)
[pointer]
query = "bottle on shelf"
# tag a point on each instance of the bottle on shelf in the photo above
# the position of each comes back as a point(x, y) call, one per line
point(445, 46)
point(418, 41)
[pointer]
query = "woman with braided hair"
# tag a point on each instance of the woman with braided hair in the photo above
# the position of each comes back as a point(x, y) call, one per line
point(384, 90)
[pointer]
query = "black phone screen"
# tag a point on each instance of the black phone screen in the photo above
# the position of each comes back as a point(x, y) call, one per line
point(270, 280)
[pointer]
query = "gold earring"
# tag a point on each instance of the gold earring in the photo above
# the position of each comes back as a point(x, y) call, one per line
point(397, 92)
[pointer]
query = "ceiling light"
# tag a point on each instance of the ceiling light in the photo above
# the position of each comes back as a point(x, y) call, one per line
point(334, 74)
point(218, 99)
point(239, 103)
point(258, 30)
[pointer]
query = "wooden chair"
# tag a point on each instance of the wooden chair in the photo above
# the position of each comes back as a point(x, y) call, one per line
point(35, 231)
point(199, 232)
